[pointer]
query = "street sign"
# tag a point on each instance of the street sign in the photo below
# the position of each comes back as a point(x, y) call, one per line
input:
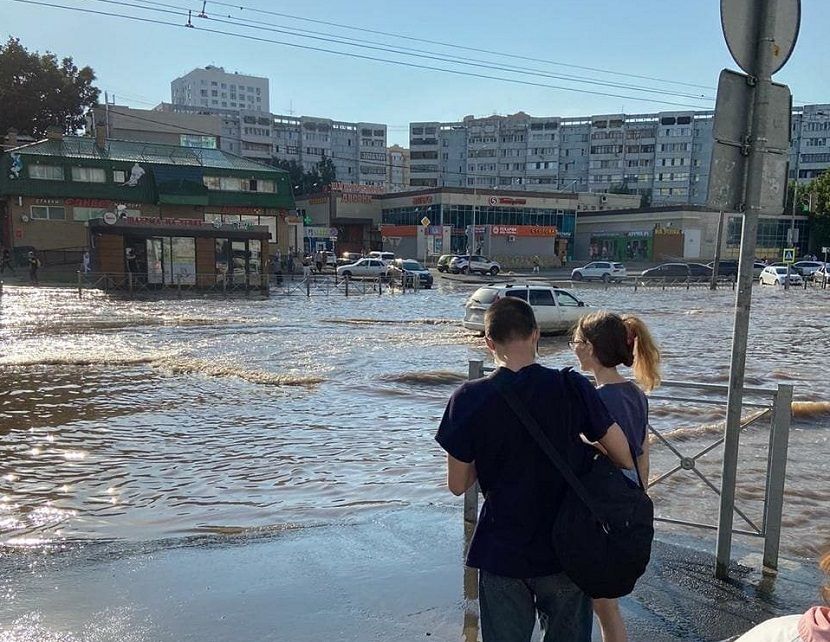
point(792, 235)
point(729, 158)
point(789, 255)
point(739, 20)
point(425, 221)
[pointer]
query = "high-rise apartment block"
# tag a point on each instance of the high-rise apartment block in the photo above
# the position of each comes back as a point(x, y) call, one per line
point(213, 87)
point(663, 156)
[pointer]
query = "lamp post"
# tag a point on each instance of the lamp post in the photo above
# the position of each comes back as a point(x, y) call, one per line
point(576, 211)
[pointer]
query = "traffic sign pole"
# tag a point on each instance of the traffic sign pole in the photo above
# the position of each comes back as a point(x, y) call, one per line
point(761, 70)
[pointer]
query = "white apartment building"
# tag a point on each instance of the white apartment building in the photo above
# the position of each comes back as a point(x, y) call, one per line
point(213, 87)
point(397, 169)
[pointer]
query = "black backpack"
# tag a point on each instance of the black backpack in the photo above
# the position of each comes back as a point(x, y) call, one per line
point(603, 532)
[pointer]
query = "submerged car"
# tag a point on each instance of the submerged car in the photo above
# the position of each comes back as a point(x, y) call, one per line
point(678, 272)
point(777, 275)
point(556, 310)
point(364, 267)
point(472, 263)
point(406, 271)
point(443, 264)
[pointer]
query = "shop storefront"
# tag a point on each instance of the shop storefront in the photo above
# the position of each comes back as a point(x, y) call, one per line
point(621, 246)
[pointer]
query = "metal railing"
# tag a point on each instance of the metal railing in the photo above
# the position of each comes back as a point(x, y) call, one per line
point(766, 403)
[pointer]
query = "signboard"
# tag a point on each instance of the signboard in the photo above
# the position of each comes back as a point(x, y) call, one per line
point(398, 230)
point(110, 218)
point(512, 201)
point(789, 255)
point(321, 232)
point(493, 200)
point(435, 230)
point(425, 221)
point(739, 21)
point(728, 164)
point(354, 188)
point(421, 200)
point(523, 230)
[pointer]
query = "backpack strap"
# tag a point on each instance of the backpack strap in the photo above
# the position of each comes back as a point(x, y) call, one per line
point(532, 426)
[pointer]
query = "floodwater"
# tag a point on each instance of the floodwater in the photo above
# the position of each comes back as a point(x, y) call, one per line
point(155, 420)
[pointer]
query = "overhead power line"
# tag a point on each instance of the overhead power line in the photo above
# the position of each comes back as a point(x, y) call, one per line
point(405, 51)
point(452, 45)
point(426, 67)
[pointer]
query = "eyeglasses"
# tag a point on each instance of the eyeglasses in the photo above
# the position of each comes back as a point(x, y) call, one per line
point(572, 344)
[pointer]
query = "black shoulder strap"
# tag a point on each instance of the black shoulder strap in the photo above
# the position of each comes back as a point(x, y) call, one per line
point(536, 432)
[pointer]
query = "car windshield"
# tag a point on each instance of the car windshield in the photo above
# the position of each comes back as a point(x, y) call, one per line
point(781, 270)
point(484, 295)
point(619, 266)
point(412, 265)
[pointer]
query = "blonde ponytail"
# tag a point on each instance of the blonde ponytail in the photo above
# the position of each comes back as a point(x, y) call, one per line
point(646, 366)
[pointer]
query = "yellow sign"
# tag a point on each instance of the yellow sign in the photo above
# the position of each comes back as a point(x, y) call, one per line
point(425, 221)
point(789, 255)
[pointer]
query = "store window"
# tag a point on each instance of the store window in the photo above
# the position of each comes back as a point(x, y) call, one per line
point(48, 213)
point(179, 260)
point(46, 172)
point(119, 176)
point(89, 175)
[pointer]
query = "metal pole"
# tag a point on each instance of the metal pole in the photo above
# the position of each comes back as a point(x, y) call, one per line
point(792, 229)
point(476, 371)
point(716, 265)
point(743, 299)
point(80, 285)
point(179, 284)
point(776, 473)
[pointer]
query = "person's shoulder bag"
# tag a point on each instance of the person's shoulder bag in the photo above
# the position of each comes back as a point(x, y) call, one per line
point(603, 532)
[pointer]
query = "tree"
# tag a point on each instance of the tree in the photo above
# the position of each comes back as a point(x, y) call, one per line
point(38, 91)
point(327, 171)
point(307, 182)
point(817, 194)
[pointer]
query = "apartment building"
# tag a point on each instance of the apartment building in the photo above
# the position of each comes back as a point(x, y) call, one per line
point(213, 87)
point(397, 168)
point(662, 156)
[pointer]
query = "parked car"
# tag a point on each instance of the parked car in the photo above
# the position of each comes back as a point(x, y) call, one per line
point(556, 310)
point(777, 275)
point(679, 271)
point(729, 267)
point(386, 257)
point(444, 262)
point(465, 263)
point(349, 257)
point(600, 271)
point(807, 268)
point(367, 267)
point(822, 275)
point(407, 270)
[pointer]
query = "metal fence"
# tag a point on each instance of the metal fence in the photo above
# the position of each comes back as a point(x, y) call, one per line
point(766, 404)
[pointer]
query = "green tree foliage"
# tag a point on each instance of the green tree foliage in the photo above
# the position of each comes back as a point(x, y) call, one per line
point(38, 91)
point(304, 182)
point(817, 195)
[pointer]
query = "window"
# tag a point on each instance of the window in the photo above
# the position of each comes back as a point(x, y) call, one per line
point(566, 299)
point(519, 294)
point(541, 297)
point(119, 176)
point(212, 182)
point(48, 213)
point(46, 172)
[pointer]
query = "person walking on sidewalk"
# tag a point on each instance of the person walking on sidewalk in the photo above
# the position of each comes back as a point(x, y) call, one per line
point(519, 572)
point(6, 261)
point(602, 341)
point(536, 263)
point(34, 266)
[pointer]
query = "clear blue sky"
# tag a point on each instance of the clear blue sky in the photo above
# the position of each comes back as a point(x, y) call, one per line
point(667, 39)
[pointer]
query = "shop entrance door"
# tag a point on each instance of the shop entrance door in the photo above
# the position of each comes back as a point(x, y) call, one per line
point(155, 261)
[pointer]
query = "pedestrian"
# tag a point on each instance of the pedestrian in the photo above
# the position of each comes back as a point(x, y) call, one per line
point(6, 261)
point(318, 260)
point(290, 263)
point(519, 571)
point(536, 262)
point(812, 626)
point(602, 341)
point(306, 268)
point(85, 262)
point(34, 266)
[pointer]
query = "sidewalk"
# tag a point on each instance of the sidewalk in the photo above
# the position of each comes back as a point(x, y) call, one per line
point(399, 578)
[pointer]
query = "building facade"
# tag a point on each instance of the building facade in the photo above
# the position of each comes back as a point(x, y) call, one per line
point(397, 169)
point(662, 156)
point(171, 212)
point(213, 87)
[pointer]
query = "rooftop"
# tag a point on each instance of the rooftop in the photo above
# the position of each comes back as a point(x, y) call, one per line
point(134, 151)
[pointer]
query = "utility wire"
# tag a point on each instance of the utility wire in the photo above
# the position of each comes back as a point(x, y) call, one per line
point(455, 72)
point(405, 51)
point(452, 45)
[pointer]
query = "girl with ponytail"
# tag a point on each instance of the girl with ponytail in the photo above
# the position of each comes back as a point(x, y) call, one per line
point(602, 342)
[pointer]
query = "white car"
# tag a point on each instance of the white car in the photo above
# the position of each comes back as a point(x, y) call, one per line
point(386, 257)
point(822, 275)
point(808, 268)
point(465, 263)
point(601, 271)
point(777, 275)
point(556, 310)
point(367, 267)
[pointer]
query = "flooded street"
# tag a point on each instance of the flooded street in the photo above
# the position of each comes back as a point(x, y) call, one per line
point(139, 421)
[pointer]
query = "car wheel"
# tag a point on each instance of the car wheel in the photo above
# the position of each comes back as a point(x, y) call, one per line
point(494, 271)
point(465, 270)
point(606, 278)
point(577, 276)
point(346, 273)
point(441, 268)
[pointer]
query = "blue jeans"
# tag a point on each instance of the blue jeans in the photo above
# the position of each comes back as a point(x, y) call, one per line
point(509, 607)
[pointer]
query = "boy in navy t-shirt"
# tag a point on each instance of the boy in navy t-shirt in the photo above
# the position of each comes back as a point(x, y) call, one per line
point(485, 441)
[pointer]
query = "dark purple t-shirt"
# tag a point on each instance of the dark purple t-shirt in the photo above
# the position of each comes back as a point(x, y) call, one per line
point(522, 488)
point(628, 406)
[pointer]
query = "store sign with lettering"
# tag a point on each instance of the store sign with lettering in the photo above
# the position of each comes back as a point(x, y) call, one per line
point(505, 230)
point(512, 201)
point(523, 230)
point(244, 211)
point(354, 188)
point(356, 198)
point(422, 200)
point(165, 222)
point(97, 203)
point(320, 232)
point(318, 200)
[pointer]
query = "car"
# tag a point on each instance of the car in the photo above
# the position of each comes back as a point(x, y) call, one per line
point(386, 257)
point(822, 275)
point(349, 257)
point(472, 263)
point(601, 271)
point(366, 267)
point(679, 271)
point(405, 271)
point(443, 264)
point(729, 268)
point(777, 275)
point(556, 310)
point(807, 268)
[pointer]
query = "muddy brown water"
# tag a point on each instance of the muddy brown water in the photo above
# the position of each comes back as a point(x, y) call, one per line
point(148, 420)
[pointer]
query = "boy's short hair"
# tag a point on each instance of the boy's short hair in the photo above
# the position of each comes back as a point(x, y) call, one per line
point(509, 319)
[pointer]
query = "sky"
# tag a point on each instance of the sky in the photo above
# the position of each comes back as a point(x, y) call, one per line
point(664, 40)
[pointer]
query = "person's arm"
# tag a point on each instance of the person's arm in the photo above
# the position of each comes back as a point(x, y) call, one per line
point(616, 446)
point(460, 475)
point(643, 462)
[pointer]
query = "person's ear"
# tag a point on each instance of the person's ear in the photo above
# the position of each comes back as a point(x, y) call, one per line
point(490, 345)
